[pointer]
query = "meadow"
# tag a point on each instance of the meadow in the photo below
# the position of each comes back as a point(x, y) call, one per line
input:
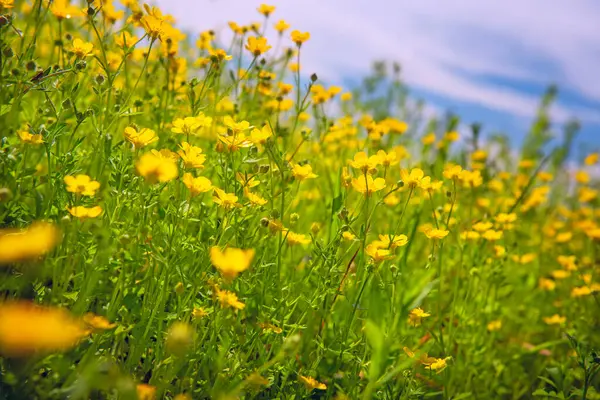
point(183, 218)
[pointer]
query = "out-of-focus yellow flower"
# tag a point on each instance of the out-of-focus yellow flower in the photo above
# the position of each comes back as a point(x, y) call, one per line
point(428, 139)
point(547, 284)
point(18, 245)
point(146, 392)
point(231, 261)
point(436, 234)
point(85, 212)
point(591, 159)
point(97, 322)
point(265, 9)
point(282, 26)
point(29, 138)
point(156, 169)
point(27, 328)
point(348, 236)
point(494, 325)
point(179, 338)
point(556, 319)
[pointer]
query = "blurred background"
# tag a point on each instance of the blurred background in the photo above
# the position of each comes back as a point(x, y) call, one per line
point(488, 61)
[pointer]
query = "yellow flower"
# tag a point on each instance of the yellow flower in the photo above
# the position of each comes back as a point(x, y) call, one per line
point(229, 299)
point(260, 136)
point(235, 142)
point(265, 9)
point(198, 185)
point(582, 177)
point(188, 125)
point(155, 168)
point(434, 233)
point(97, 322)
point(434, 364)
point(81, 49)
point(415, 316)
point(492, 235)
point(391, 241)
point(430, 186)
point(296, 238)
point(471, 178)
point(225, 200)
point(312, 383)
point(428, 139)
point(145, 392)
point(255, 199)
point(282, 26)
point(27, 137)
point(555, 320)
point(191, 155)
point(591, 159)
point(235, 126)
point(27, 244)
point(27, 328)
point(413, 178)
point(257, 45)
point(300, 37)
point(217, 55)
point(470, 235)
point(348, 236)
point(378, 254)
point(547, 284)
point(198, 313)
point(154, 27)
point(494, 325)
point(140, 138)
point(366, 164)
point(482, 226)
point(347, 96)
point(231, 261)
point(452, 171)
point(125, 39)
point(81, 184)
point(6, 4)
point(302, 172)
point(367, 185)
point(84, 212)
point(247, 181)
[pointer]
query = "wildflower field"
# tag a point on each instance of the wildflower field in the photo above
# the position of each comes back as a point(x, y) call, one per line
point(188, 218)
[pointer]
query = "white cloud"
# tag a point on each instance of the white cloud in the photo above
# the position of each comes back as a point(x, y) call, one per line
point(442, 45)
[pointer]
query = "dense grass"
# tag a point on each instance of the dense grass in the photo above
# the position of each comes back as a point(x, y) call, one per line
point(197, 219)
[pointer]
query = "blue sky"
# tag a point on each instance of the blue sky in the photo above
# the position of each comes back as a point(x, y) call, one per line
point(488, 60)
